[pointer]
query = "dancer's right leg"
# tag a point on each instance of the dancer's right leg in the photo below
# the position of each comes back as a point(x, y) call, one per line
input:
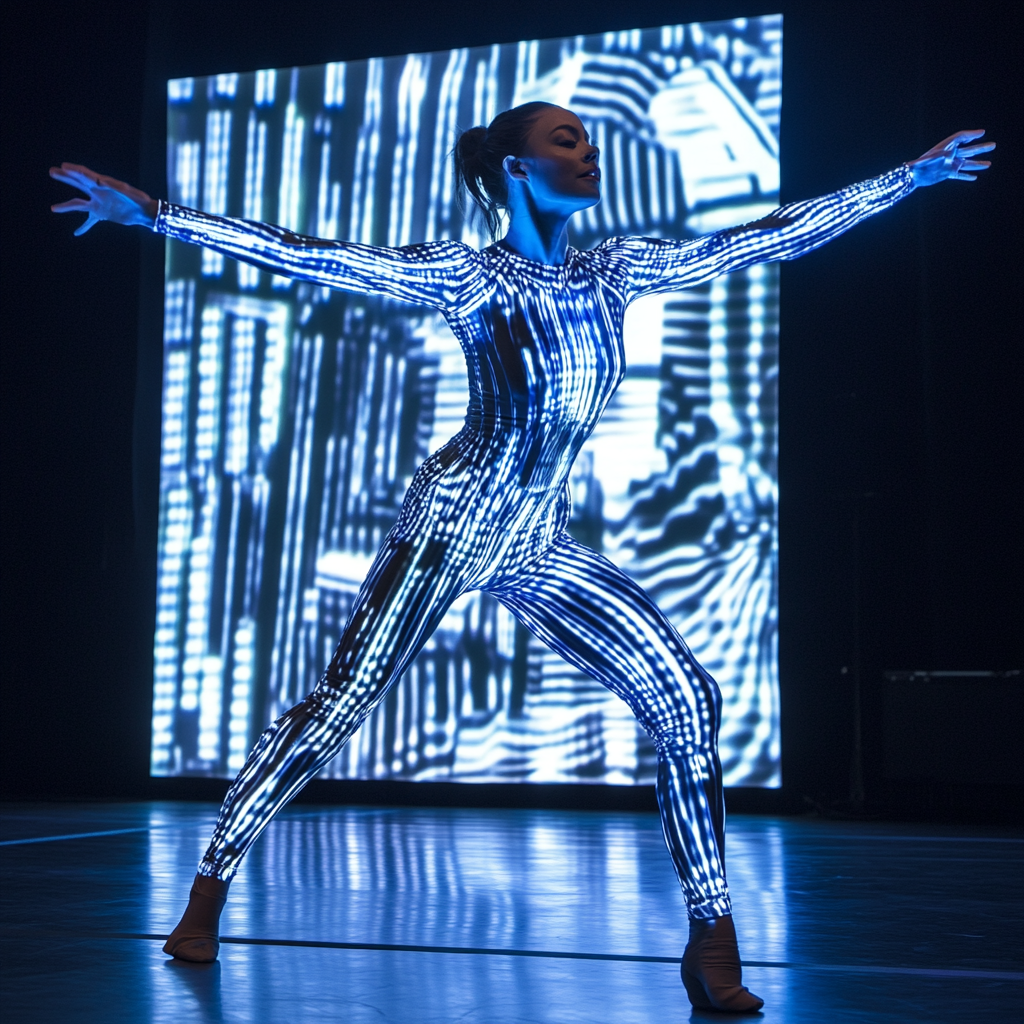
point(406, 593)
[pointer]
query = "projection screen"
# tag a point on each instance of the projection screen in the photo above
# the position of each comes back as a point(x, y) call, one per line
point(293, 417)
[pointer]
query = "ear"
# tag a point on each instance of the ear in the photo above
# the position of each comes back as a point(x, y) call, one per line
point(514, 168)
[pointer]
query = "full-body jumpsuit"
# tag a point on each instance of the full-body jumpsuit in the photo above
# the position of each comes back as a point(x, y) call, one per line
point(488, 511)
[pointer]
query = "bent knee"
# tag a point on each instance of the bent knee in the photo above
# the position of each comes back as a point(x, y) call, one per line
point(687, 723)
point(684, 741)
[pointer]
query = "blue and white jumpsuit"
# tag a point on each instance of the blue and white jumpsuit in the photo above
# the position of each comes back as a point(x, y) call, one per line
point(488, 511)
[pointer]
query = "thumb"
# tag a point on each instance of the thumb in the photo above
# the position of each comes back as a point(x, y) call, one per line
point(92, 219)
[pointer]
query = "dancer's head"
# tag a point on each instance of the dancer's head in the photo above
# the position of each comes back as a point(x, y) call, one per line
point(536, 153)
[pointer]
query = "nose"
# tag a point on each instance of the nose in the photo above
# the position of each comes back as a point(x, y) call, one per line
point(592, 156)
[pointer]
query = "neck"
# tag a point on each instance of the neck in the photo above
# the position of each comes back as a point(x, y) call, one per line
point(541, 237)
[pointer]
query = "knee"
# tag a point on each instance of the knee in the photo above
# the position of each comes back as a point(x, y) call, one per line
point(324, 700)
point(687, 723)
point(312, 728)
point(317, 707)
point(681, 741)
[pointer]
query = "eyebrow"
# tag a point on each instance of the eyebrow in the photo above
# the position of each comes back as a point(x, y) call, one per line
point(573, 129)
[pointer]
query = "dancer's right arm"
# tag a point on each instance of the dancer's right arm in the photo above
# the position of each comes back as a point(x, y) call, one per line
point(434, 273)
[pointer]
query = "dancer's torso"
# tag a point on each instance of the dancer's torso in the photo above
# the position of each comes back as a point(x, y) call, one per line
point(544, 355)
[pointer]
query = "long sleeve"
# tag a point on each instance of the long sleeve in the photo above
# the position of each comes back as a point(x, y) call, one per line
point(652, 264)
point(438, 274)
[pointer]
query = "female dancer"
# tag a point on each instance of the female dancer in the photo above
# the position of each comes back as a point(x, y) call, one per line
point(541, 327)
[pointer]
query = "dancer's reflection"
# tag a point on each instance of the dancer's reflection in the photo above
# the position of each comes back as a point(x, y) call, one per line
point(541, 327)
point(200, 982)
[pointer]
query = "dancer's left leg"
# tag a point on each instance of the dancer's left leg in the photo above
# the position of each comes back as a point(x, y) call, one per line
point(598, 619)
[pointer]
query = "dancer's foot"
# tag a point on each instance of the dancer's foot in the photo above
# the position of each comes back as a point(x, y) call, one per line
point(711, 968)
point(196, 937)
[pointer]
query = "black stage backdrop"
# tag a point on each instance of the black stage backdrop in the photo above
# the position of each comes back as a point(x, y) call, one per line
point(901, 411)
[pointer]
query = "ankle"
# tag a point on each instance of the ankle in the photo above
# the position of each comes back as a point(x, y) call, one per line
point(700, 925)
point(210, 887)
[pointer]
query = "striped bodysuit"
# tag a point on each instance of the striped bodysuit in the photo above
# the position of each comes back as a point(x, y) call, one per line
point(488, 511)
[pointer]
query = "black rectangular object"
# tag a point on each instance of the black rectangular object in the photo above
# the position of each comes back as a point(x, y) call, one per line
point(950, 727)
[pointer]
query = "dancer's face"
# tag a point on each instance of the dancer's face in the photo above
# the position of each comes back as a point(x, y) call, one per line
point(559, 166)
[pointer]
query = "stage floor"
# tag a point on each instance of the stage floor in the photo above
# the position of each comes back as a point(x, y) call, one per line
point(417, 916)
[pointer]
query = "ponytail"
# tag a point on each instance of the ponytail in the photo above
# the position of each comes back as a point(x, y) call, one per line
point(479, 154)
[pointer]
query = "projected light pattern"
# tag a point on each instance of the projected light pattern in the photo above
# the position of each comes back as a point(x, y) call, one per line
point(295, 416)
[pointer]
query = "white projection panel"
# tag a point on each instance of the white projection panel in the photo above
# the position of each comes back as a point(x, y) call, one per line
point(294, 417)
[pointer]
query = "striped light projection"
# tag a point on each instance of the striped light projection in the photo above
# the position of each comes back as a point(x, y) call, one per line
point(295, 415)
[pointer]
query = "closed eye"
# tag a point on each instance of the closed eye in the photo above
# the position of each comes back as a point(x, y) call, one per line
point(573, 132)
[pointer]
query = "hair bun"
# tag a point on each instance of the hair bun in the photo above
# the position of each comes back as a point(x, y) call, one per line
point(470, 142)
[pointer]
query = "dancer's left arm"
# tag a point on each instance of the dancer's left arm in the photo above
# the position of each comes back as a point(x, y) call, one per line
point(653, 264)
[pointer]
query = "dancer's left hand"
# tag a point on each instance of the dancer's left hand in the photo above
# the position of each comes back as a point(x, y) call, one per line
point(952, 159)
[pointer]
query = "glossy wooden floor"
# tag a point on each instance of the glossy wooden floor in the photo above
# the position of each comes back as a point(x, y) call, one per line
point(416, 916)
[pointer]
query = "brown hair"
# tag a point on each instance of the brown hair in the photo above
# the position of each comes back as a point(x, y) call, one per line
point(478, 157)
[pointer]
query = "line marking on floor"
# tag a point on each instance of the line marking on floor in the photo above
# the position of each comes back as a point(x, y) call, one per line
point(387, 947)
point(74, 835)
point(824, 838)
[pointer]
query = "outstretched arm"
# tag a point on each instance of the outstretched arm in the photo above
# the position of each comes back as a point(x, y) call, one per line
point(435, 273)
point(652, 265)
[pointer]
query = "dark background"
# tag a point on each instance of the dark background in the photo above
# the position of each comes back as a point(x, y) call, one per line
point(901, 455)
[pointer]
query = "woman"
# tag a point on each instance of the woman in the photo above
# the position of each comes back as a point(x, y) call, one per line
point(541, 327)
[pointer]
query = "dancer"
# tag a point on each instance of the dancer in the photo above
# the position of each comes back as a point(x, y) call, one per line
point(541, 327)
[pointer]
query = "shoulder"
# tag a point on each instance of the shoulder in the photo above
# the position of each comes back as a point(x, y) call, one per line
point(623, 251)
point(624, 246)
point(445, 252)
point(456, 273)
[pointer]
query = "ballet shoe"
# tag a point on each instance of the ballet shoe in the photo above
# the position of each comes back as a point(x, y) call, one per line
point(711, 968)
point(196, 936)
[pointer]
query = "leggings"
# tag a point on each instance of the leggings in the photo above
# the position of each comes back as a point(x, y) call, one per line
point(579, 604)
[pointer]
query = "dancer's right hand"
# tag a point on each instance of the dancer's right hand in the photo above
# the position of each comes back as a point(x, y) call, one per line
point(109, 199)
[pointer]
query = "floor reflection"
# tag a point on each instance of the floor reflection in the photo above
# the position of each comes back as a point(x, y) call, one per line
point(190, 992)
point(263, 984)
point(840, 922)
point(481, 879)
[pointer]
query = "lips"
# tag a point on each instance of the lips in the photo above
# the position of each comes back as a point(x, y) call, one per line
point(595, 174)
